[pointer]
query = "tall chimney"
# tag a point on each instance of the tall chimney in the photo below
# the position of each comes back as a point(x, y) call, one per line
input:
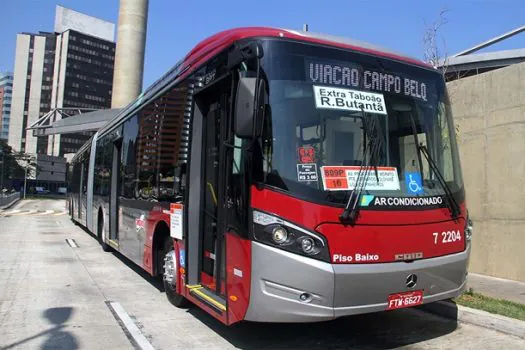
point(129, 55)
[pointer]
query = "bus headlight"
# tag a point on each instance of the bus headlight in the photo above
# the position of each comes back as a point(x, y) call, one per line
point(279, 234)
point(468, 229)
point(308, 245)
point(285, 235)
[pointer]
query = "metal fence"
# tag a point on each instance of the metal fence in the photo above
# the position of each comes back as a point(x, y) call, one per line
point(9, 198)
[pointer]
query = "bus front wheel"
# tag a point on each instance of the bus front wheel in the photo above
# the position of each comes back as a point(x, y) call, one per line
point(169, 275)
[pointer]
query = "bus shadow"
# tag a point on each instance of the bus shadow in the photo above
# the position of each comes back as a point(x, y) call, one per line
point(386, 330)
point(153, 281)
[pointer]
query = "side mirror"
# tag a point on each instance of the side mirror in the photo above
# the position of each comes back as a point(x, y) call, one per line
point(245, 107)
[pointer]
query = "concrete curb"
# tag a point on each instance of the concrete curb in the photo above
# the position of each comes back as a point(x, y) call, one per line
point(476, 317)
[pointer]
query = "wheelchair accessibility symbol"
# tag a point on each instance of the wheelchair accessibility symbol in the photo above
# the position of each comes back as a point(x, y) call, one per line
point(413, 183)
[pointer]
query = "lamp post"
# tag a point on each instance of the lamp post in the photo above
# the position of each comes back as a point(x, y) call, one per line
point(2, 173)
point(27, 157)
point(25, 178)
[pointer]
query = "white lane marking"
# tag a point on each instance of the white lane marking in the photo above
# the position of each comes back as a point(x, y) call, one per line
point(60, 213)
point(130, 326)
point(71, 243)
point(28, 212)
point(11, 212)
point(47, 212)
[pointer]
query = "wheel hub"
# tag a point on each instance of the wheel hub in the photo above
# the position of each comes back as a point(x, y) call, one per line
point(170, 268)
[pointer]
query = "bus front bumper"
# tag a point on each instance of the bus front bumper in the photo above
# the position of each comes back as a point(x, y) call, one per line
point(287, 287)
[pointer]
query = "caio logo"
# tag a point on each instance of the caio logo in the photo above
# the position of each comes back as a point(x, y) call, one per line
point(408, 256)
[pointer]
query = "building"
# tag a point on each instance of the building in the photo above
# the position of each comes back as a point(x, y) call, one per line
point(470, 62)
point(70, 67)
point(6, 90)
point(487, 94)
point(51, 168)
point(32, 83)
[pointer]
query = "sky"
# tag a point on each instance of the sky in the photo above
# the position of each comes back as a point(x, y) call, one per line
point(175, 27)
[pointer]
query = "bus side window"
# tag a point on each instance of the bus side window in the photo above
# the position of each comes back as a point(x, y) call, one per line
point(129, 157)
point(237, 187)
point(237, 155)
point(157, 138)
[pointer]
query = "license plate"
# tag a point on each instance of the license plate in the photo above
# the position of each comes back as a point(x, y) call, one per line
point(405, 299)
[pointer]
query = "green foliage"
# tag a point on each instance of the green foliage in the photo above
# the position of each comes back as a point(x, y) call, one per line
point(10, 168)
point(496, 306)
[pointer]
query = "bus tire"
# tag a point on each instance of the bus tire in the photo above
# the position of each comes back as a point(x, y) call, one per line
point(72, 217)
point(169, 276)
point(100, 233)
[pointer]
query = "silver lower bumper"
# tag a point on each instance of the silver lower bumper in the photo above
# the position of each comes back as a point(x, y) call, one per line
point(279, 279)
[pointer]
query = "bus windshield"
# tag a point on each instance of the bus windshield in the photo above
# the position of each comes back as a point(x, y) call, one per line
point(337, 120)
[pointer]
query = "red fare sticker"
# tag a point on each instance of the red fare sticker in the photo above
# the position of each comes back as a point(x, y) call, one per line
point(306, 154)
point(334, 178)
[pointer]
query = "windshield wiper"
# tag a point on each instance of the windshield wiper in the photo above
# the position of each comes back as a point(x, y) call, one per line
point(351, 211)
point(451, 201)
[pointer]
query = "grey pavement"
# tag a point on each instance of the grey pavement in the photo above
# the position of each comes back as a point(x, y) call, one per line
point(54, 296)
point(497, 287)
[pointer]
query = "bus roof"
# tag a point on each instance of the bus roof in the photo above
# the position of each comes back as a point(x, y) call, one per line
point(213, 45)
point(225, 38)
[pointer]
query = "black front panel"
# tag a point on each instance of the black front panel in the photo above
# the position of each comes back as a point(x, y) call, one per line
point(211, 186)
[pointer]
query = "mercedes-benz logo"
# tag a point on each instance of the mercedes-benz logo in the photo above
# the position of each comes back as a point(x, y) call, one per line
point(411, 281)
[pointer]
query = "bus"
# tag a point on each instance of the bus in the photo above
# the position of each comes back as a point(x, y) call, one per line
point(283, 176)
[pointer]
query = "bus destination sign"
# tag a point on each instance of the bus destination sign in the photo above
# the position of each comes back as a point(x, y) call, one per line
point(348, 75)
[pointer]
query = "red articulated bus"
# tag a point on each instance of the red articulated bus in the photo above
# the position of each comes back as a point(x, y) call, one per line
point(283, 176)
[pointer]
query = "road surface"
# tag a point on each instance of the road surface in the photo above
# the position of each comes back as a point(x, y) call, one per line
point(56, 295)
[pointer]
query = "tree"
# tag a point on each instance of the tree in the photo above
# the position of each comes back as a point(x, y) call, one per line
point(435, 48)
point(14, 164)
point(26, 160)
point(435, 51)
point(10, 167)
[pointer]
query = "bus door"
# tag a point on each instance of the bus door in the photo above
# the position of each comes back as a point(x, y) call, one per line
point(113, 197)
point(84, 189)
point(79, 194)
point(214, 104)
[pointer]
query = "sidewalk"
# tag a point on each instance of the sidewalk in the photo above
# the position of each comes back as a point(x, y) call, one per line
point(497, 287)
point(492, 287)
